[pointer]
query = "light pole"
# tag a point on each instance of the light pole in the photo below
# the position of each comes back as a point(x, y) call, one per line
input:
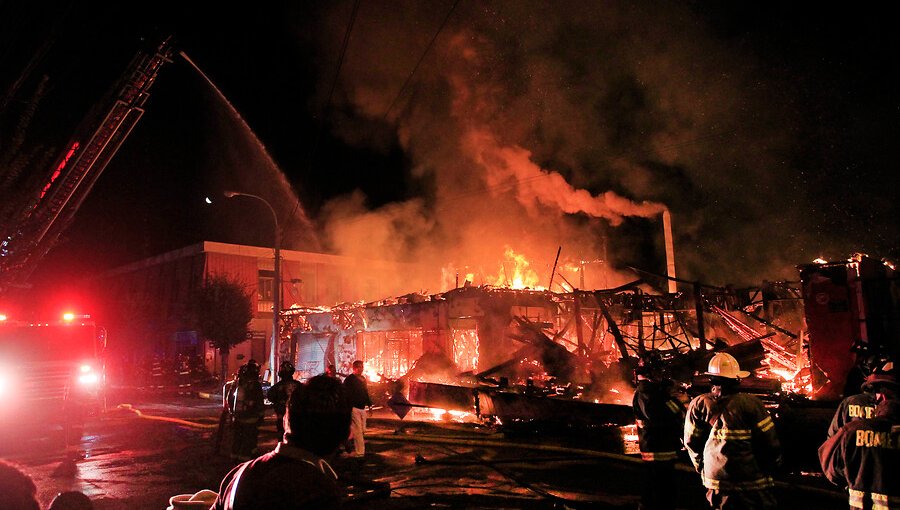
point(276, 284)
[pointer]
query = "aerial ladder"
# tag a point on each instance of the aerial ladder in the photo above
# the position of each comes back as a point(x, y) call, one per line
point(27, 239)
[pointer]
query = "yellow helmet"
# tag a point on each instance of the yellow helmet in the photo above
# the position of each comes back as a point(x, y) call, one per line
point(724, 365)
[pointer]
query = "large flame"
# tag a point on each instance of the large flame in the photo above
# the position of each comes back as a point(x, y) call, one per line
point(371, 373)
point(446, 415)
point(513, 272)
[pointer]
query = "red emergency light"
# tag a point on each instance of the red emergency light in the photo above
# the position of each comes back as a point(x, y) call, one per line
point(87, 376)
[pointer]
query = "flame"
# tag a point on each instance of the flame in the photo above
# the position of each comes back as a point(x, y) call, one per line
point(370, 373)
point(514, 272)
point(629, 433)
point(465, 349)
point(630, 439)
point(785, 375)
point(450, 415)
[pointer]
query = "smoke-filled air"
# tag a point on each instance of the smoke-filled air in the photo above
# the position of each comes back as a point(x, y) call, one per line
point(537, 125)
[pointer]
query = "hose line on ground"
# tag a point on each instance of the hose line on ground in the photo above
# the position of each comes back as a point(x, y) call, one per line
point(178, 421)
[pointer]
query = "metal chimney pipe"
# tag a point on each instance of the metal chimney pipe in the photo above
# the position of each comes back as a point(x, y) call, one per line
point(670, 250)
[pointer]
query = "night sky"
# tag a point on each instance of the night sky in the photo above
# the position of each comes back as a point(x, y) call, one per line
point(768, 130)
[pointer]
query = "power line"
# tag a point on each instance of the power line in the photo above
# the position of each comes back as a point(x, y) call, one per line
point(424, 53)
point(334, 81)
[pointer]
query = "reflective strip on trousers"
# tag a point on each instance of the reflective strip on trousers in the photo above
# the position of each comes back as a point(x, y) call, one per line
point(884, 502)
point(658, 456)
point(856, 498)
point(879, 501)
point(765, 482)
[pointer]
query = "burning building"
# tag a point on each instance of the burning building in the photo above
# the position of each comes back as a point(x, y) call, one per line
point(580, 346)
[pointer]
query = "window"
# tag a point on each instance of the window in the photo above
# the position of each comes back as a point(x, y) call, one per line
point(265, 288)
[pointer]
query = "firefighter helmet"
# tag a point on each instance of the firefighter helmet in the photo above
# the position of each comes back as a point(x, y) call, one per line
point(286, 368)
point(724, 365)
point(882, 376)
point(253, 368)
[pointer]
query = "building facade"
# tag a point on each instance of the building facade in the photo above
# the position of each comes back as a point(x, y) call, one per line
point(147, 304)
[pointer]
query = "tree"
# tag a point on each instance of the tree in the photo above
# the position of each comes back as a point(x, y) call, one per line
point(223, 310)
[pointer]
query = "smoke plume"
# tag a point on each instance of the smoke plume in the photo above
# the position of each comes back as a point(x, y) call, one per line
point(532, 125)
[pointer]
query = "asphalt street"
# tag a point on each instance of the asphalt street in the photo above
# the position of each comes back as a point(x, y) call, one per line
point(150, 446)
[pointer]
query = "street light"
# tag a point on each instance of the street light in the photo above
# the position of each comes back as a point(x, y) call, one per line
point(276, 290)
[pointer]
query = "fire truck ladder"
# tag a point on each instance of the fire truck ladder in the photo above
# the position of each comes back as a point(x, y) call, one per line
point(78, 168)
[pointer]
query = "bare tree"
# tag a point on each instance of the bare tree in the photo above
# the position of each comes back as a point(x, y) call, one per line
point(223, 310)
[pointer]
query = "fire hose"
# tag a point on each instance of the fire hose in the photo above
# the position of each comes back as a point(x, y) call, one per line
point(178, 421)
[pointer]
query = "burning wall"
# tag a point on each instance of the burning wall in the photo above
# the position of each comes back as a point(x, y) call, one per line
point(469, 335)
point(467, 326)
point(579, 342)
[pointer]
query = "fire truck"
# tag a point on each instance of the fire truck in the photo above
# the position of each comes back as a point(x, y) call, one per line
point(52, 370)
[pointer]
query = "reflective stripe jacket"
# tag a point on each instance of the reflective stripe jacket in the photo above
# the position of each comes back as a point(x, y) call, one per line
point(852, 408)
point(864, 456)
point(660, 418)
point(731, 441)
point(248, 401)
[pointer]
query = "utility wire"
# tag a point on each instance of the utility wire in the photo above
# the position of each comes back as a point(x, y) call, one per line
point(344, 44)
point(424, 53)
point(334, 81)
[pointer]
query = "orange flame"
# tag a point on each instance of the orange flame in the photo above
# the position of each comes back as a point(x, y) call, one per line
point(370, 373)
point(451, 415)
point(515, 273)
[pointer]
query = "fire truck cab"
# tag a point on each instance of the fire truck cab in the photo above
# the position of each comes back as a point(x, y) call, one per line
point(51, 370)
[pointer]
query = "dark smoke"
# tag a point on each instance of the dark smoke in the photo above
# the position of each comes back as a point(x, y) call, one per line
point(541, 124)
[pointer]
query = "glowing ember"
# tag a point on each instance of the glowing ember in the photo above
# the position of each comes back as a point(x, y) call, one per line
point(630, 440)
point(629, 433)
point(450, 415)
point(785, 375)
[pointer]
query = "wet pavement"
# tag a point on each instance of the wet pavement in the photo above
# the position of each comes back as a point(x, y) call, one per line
point(161, 444)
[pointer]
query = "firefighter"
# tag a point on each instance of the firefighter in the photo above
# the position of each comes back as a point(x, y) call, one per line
point(864, 455)
point(660, 418)
point(280, 392)
point(731, 441)
point(248, 407)
point(183, 373)
point(861, 405)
